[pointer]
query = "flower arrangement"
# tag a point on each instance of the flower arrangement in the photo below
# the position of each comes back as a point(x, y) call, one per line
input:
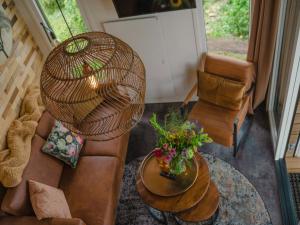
point(178, 142)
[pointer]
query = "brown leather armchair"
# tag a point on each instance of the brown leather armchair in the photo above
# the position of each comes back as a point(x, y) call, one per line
point(223, 124)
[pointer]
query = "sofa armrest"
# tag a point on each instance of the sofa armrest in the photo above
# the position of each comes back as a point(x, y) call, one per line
point(24, 220)
point(32, 220)
point(73, 221)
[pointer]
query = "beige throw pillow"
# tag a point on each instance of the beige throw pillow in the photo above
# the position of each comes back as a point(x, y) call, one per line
point(47, 201)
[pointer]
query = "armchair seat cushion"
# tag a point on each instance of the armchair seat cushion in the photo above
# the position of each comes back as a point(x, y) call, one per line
point(92, 189)
point(217, 121)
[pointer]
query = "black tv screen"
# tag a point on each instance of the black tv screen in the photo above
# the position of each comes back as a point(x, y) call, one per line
point(126, 8)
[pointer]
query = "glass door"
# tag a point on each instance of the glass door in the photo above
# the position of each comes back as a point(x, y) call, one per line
point(52, 21)
point(283, 108)
point(57, 18)
point(292, 159)
point(52, 11)
point(282, 66)
point(227, 26)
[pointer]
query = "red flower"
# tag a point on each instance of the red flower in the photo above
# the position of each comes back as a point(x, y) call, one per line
point(165, 146)
point(167, 159)
point(158, 152)
point(173, 152)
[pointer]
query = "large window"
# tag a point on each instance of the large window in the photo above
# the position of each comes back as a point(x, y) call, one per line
point(52, 15)
point(227, 26)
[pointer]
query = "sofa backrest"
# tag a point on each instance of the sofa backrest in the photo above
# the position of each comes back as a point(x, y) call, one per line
point(45, 125)
point(41, 168)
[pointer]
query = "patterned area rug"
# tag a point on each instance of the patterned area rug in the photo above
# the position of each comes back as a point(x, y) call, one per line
point(240, 202)
point(295, 183)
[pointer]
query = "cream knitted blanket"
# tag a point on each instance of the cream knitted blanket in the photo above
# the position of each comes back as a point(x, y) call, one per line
point(14, 159)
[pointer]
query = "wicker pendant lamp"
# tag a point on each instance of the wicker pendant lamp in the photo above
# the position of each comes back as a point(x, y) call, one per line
point(94, 83)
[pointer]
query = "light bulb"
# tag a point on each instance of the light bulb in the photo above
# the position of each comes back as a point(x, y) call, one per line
point(93, 82)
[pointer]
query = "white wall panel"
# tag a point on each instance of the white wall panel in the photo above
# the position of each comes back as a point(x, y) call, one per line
point(177, 41)
point(180, 44)
point(145, 37)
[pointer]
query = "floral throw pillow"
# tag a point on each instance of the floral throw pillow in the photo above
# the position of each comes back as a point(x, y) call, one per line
point(63, 144)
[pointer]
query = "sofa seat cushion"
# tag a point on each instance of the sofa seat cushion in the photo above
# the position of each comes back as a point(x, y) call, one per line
point(92, 190)
point(41, 168)
point(218, 122)
point(116, 147)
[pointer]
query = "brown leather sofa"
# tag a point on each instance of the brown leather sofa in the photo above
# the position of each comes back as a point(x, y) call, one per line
point(92, 189)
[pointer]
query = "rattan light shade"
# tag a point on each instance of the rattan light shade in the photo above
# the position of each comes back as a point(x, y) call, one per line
point(94, 84)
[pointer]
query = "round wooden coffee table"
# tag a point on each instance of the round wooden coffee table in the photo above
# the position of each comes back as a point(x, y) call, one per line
point(199, 203)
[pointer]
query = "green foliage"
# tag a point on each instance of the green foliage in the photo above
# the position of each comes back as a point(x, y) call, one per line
point(54, 17)
point(178, 140)
point(51, 5)
point(173, 120)
point(225, 18)
point(237, 17)
point(178, 165)
point(157, 127)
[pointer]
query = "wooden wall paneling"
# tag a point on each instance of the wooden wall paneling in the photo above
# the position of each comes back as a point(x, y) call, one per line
point(296, 126)
point(21, 69)
point(293, 164)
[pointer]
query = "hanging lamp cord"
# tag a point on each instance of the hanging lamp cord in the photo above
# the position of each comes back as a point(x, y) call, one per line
point(69, 28)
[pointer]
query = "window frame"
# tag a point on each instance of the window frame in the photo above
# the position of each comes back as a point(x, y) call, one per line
point(32, 16)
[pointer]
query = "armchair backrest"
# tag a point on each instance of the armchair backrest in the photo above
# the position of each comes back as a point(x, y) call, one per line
point(228, 67)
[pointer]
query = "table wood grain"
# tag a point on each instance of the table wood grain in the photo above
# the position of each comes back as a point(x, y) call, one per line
point(205, 209)
point(180, 202)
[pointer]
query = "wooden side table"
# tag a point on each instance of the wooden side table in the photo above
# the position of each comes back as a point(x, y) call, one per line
point(200, 203)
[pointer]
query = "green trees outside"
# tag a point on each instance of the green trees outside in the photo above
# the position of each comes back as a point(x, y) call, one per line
point(55, 19)
point(227, 26)
point(227, 23)
point(236, 16)
point(225, 18)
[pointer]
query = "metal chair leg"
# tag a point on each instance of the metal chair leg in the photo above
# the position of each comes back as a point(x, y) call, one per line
point(236, 142)
point(235, 138)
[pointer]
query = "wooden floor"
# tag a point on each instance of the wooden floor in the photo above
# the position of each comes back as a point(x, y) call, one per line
point(296, 126)
point(293, 164)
